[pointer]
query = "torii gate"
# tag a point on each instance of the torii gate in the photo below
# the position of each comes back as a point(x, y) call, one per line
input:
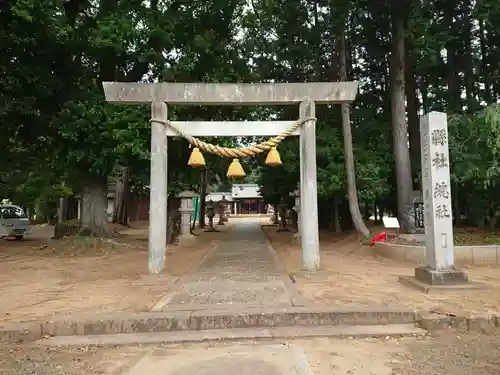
point(161, 94)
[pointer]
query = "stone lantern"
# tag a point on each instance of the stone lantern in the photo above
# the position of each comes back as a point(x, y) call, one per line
point(225, 204)
point(282, 227)
point(210, 207)
point(186, 210)
point(296, 208)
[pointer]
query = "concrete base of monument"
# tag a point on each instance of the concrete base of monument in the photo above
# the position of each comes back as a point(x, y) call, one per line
point(431, 276)
point(428, 280)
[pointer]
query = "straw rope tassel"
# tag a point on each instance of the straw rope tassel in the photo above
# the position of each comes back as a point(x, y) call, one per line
point(197, 160)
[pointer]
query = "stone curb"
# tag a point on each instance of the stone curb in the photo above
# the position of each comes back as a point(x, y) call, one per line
point(211, 335)
point(478, 323)
point(464, 255)
point(142, 322)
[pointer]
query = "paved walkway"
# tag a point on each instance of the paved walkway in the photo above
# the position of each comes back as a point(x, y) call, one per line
point(244, 360)
point(240, 270)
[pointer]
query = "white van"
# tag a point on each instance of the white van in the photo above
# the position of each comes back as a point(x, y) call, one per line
point(13, 221)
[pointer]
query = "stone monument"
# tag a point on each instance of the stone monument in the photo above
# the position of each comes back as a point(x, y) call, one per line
point(416, 213)
point(439, 269)
point(296, 208)
point(186, 210)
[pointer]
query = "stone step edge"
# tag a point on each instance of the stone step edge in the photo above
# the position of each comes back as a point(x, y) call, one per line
point(130, 322)
point(354, 331)
point(483, 323)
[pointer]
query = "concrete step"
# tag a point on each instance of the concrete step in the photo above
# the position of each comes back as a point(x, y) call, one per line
point(251, 317)
point(354, 331)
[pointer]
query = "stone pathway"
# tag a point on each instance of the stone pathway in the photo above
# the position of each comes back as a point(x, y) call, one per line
point(240, 271)
point(244, 360)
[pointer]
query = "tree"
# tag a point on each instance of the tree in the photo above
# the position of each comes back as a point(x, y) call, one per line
point(435, 55)
point(348, 148)
point(398, 109)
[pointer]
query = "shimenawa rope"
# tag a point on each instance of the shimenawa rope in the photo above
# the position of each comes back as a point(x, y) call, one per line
point(237, 152)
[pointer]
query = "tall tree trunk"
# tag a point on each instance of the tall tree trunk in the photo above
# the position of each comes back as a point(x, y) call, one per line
point(424, 91)
point(453, 78)
point(485, 59)
point(62, 210)
point(492, 38)
point(399, 128)
point(456, 204)
point(121, 197)
point(470, 89)
point(94, 206)
point(203, 196)
point(412, 106)
point(352, 193)
point(336, 215)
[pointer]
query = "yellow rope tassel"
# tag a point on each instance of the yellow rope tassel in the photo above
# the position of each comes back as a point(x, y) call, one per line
point(273, 157)
point(235, 170)
point(196, 160)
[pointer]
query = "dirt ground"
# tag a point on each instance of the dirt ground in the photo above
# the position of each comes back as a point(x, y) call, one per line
point(446, 354)
point(40, 277)
point(351, 273)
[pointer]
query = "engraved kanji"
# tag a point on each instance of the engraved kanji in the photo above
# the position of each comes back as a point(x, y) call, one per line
point(439, 137)
point(441, 190)
point(439, 160)
point(442, 211)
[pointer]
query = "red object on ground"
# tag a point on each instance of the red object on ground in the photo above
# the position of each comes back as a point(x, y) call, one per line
point(379, 237)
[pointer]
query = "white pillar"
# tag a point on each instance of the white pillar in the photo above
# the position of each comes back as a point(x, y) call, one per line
point(439, 255)
point(158, 190)
point(436, 191)
point(308, 189)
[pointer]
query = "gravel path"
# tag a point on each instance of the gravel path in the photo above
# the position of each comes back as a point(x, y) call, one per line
point(450, 353)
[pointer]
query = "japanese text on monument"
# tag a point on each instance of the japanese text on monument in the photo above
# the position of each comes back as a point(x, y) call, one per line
point(441, 190)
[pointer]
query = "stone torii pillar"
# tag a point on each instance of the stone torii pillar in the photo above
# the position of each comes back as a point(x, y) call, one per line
point(307, 95)
point(157, 242)
point(308, 188)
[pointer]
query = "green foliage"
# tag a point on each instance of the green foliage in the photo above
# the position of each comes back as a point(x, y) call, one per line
point(58, 134)
point(277, 182)
point(474, 156)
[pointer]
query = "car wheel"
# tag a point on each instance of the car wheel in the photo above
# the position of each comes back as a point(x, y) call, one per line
point(19, 238)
